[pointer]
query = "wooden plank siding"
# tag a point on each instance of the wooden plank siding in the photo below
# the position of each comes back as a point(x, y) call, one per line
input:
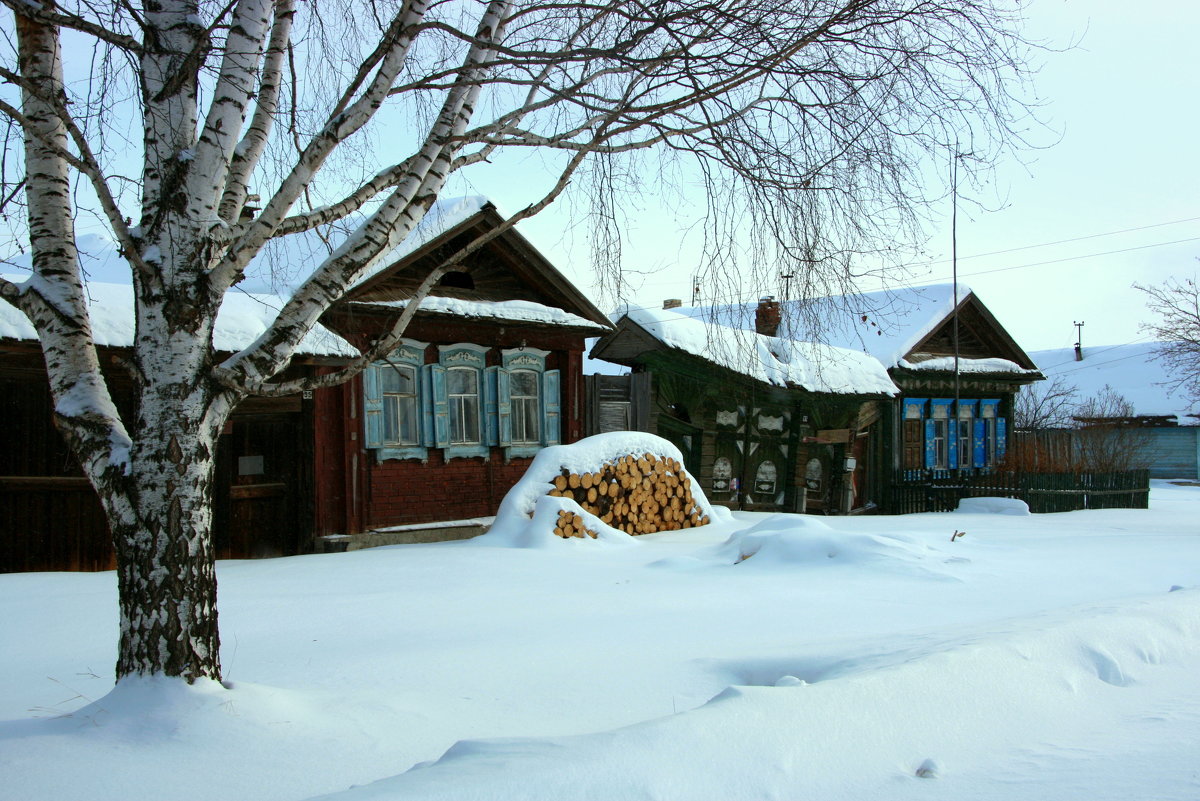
point(52, 519)
point(1171, 452)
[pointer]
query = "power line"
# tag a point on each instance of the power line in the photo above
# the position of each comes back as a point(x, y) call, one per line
point(1065, 241)
point(1084, 365)
point(1085, 256)
point(671, 281)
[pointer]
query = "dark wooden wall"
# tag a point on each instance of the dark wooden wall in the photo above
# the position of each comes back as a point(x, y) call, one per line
point(51, 518)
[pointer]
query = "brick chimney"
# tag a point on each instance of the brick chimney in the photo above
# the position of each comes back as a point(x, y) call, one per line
point(672, 303)
point(767, 316)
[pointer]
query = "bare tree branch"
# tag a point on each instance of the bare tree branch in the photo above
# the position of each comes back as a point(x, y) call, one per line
point(1176, 302)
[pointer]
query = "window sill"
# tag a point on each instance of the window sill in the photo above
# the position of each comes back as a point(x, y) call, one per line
point(465, 452)
point(415, 452)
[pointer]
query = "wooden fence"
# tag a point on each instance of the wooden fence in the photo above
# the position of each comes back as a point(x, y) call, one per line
point(920, 491)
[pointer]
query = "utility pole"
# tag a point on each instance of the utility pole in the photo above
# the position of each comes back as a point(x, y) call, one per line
point(787, 277)
point(1078, 341)
point(954, 263)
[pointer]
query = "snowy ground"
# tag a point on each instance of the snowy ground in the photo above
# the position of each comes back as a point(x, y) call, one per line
point(1040, 657)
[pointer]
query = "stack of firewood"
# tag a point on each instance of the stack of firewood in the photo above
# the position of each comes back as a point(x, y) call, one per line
point(636, 494)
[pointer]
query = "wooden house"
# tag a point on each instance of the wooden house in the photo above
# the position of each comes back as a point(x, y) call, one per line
point(765, 423)
point(418, 447)
point(949, 373)
point(490, 371)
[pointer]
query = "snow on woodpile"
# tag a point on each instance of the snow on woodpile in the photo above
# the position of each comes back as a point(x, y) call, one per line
point(783, 362)
point(608, 487)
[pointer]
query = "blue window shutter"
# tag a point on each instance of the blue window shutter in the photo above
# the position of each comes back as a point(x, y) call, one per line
point(952, 442)
point(438, 416)
point(491, 385)
point(426, 393)
point(1001, 437)
point(503, 408)
point(372, 407)
point(551, 407)
point(930, 451)
point(979, 449)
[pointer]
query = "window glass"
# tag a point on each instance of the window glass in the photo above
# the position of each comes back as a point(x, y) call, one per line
point(941, 451)
point(399, 387)
point(525, 409)
point(462, 390)
point(966, 425)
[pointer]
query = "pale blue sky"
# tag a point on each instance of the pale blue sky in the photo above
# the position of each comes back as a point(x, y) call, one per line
point(1125, 100)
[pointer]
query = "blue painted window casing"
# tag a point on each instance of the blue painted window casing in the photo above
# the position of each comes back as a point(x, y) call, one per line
point(944, 434)
point(964, 450)
point(994, 431)
point(394, 403)
point(527, 404)
point(969, 434)
point(460, 404)
point(463, 394)
point(914, 408)
point(525, 391)
point(459, 415)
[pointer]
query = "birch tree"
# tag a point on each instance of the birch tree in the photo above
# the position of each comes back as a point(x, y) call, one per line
point(811, 119)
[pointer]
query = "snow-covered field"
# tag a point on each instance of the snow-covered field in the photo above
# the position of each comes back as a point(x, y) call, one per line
point(1042, 657)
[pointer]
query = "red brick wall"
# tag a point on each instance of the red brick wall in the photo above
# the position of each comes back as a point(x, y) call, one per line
point(407, 491)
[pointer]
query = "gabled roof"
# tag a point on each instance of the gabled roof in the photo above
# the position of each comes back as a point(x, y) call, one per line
point(242, 319)
point(772, 360)
point(909, 329)
point(506, 269)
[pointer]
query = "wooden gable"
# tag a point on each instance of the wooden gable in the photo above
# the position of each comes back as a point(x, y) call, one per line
point(506, 268)
point(980, 336)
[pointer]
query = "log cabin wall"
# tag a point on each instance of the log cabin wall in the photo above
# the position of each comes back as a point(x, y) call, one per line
point(759, 447)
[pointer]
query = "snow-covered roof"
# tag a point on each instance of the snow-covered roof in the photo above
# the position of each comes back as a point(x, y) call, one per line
point(946, 364)
point(888, 325)
point(774, 360)
point(441, 217)
point(242, 319)
point(1131, 370)
point(524, 311)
